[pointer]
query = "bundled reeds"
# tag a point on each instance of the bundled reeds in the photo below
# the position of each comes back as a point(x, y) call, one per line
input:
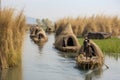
point(12, 30)
point(99, 23)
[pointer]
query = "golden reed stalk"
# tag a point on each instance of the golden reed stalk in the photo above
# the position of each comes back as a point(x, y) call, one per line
point(12, 31)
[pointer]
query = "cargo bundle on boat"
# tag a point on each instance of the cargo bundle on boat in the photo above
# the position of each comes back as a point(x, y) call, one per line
point(66, 41)
point(91, 60)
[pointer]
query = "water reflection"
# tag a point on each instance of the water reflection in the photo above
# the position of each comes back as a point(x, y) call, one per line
point(39, 44)
point(116, 56)
point(93, 74)
point(11, 74)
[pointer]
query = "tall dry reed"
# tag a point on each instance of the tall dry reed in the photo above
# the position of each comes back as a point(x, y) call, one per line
point(12, 31)
point(99, 23)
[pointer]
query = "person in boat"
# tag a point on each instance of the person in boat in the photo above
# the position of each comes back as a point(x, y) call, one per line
point(36, 29)
point(87, 48)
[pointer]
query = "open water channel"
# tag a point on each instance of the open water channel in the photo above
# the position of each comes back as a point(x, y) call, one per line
point(46, 63)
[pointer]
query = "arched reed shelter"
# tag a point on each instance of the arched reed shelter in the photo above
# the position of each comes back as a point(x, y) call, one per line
point(66, 40)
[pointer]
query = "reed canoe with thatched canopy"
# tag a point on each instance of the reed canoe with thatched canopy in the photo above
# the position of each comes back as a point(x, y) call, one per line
point(40, 36)
point(96, 60)
point(66, 41)
point(34, 30)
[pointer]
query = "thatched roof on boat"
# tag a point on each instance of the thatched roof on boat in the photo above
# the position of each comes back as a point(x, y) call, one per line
point(96, 48)
point(64, 29)
point(34, 30)
point(90, 62)
point(67, 30)
point(40, 36)
point(66, 40)
point(42, 32)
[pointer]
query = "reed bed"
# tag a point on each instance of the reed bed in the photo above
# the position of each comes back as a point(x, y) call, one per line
point(108, 46)
point(98, 23)
point(12, 31)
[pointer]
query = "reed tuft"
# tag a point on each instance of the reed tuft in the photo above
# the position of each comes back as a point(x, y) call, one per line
point(12, 31)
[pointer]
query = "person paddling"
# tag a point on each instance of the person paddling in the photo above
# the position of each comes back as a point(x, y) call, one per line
point(87, 49)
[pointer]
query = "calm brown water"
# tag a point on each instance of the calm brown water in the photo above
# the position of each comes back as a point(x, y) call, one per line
point(45, 63)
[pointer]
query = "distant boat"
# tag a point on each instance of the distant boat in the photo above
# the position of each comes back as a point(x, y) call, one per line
point(40, 37)
point(99, 35)
point(38, 34)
